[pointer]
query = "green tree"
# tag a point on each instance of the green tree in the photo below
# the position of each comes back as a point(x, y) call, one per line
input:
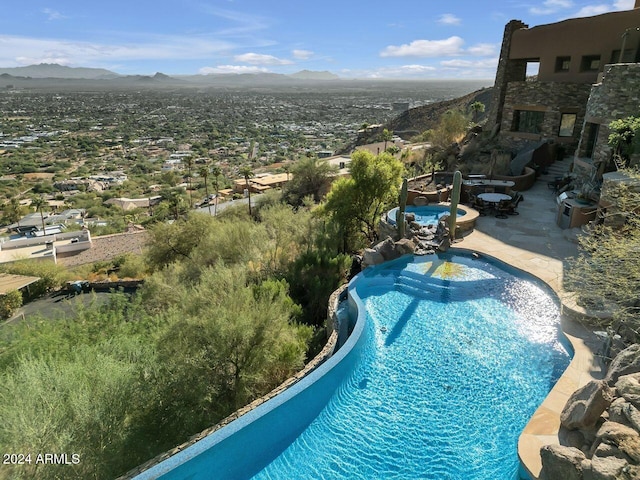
point(9, 303)
point(310, 176)
point(204, 173)
point(359, 201)
point(624, 139)
point(215, 173)
point(175, 242)
point(452, 126)
point(189, 162)
point(39, 203)
point(12, 212)
point(476, 108)
point(386, 136)
point(247, 173)
point(606, 274)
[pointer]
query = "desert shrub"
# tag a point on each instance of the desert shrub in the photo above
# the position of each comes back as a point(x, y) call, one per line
point(9, 303)
point(52, 276)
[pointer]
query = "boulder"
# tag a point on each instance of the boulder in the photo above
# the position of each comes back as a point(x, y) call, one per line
point(625, 439)
point(607, 468)
point(633, 415)
point(625, 363)
point(585, 405)
point(405, 246)
point(410, 217)
point(421, 201)
point(387, 249)
point(616, 411)
point(371, 257)
point(628, 387)
point(559, 462)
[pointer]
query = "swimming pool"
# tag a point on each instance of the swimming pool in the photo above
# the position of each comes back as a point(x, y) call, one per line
point(425, 215)
point(448, 360)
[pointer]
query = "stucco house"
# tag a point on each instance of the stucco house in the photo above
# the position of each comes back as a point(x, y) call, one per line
point(588, 74)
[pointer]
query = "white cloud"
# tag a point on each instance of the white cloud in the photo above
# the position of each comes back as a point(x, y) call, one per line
point(53, 14)
point(551, 6)
point(16, 51)
point(302, 54)
point(623, 4)
point(483, 50)
point(600, 8)
point(261, 59)
point(476, 64)
point(591, 10)
point(425, 48)
point(449, 19)
point(232, 69)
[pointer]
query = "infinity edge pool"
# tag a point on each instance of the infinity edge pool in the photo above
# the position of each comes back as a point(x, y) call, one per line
point(295, 397)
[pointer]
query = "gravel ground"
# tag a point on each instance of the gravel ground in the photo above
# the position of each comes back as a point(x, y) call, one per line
point(108, 247)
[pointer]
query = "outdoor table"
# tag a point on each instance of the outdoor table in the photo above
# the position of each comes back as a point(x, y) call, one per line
point(494, 198)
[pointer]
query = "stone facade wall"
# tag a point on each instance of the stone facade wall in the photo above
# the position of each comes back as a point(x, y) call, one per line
point(553, 99)
point(507, 71)
point(617, 96)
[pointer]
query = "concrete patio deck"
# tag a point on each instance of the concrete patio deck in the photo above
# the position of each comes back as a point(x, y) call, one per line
point(534, 243)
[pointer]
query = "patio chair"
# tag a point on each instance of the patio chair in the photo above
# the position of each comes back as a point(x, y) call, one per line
point(480, 206)
point(503, 208)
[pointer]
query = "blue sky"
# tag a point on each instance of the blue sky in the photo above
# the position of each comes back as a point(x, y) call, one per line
point(372, 39)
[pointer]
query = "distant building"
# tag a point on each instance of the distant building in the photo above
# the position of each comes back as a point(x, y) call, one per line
point(127, 204)
point(261, 182)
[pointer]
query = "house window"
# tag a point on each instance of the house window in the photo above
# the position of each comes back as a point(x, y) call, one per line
point(627, 57)
point(563, 64)
point(567, 124)
point(590, 63)
point(528, 121)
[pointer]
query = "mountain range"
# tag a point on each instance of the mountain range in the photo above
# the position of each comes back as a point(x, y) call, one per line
point(46, 74)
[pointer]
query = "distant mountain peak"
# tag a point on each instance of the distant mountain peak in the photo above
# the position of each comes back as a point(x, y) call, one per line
point(54, 70)
point(313, 75)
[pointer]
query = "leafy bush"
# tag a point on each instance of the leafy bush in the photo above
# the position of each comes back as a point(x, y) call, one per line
point(52, 276)
point(9, 303)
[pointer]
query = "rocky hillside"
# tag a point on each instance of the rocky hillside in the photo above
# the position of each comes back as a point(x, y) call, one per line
point(417, 120)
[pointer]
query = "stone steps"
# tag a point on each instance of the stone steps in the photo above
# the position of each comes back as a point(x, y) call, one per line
point(556, 169)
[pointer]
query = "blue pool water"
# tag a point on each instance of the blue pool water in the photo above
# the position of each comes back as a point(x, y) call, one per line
point(426, 215)
point(447, 362)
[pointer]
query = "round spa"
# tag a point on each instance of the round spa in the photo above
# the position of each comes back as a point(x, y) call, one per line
point(431, 214)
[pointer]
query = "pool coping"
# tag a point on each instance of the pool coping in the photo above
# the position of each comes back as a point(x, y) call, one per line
point(544, 426)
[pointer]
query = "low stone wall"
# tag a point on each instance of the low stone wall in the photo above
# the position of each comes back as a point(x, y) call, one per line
point(522, 182)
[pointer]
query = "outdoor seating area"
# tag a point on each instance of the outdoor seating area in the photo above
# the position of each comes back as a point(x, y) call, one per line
point(502, 204)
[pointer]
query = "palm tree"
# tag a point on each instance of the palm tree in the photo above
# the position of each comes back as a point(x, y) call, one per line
point(176, 202)
point(204, 173)
point(189, 161)
point(247, 173)
point(38, 203)
point(216, 172)
point(387, 136)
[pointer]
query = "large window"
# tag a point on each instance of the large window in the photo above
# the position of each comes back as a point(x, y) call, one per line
point(528, 121)
point(567, 124)
point(563, 64)
point(590, 63)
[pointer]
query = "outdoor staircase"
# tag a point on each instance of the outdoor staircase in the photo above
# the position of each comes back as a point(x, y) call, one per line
point(556, 169)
